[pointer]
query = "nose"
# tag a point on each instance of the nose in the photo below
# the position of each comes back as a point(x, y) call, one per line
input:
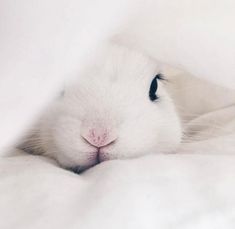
point(99, 137)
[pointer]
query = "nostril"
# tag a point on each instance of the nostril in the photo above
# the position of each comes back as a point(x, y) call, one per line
point(111, 143)
point(98, 138)
point(85, 140)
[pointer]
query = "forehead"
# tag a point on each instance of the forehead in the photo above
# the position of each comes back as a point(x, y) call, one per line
point(116, 71)
point(118, 63)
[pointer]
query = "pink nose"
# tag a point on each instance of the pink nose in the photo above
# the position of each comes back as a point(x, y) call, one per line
point(99, 137)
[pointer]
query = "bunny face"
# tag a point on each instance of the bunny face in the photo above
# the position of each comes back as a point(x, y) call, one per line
point(117, 109)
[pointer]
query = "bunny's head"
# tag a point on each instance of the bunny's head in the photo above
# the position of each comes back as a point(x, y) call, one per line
point(117, 109)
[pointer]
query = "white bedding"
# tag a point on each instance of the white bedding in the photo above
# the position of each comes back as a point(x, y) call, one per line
point(191, 189)
point(159, 191)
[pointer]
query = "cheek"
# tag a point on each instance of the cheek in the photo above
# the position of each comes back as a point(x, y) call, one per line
point(66, 132)
point(153, 134)
point(134, 140)
point(68, 145)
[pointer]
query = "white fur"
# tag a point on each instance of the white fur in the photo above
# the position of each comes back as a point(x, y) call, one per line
point(112, 93)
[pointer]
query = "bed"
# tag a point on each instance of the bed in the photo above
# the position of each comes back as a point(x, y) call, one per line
point(43, 43)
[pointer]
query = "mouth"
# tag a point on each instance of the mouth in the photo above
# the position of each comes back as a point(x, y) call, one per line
point(80, 169)
point(94, 159)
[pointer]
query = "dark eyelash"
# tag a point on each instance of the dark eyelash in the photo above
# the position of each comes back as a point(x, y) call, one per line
point(160, 76)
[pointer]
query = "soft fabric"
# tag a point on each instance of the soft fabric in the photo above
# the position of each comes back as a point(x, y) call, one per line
point(44, 42)
point(160, 191)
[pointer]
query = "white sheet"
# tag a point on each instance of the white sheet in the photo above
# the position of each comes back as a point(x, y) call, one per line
point(158, 191)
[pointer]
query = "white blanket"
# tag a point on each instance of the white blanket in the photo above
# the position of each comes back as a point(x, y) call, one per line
point(40, 47)
point(159, 191)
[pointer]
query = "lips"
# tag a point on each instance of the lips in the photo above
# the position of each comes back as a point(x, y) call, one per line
point(94, 157)
point(98, 156)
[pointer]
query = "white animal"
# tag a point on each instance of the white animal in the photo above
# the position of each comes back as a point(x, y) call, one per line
point(118, 108)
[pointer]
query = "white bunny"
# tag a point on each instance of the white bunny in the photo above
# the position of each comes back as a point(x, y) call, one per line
point(118, 108)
